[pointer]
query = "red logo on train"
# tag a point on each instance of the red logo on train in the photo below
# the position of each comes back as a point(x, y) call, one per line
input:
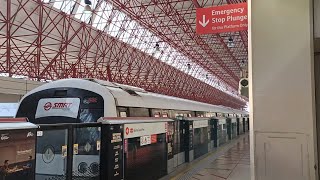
point(127, 131)
point(49, 106)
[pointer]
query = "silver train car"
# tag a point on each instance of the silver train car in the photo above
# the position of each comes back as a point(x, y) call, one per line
point(85, 101)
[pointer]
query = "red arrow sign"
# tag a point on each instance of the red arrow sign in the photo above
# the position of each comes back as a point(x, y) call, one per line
point(220, 19)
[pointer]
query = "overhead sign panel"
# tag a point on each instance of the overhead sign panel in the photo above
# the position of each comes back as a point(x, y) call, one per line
point(219, 19)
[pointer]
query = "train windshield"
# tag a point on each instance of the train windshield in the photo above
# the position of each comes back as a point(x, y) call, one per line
point(53, 106)
point(66, 107)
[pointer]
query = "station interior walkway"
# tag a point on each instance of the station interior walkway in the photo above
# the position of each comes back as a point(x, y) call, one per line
point(228, 162)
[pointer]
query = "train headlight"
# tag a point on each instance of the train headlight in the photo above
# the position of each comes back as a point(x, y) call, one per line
point(94, 168)
point(83, 167)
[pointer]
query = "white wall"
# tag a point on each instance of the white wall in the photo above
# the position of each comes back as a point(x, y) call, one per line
point(11, 89)
point(282, 90)
point(317, 18)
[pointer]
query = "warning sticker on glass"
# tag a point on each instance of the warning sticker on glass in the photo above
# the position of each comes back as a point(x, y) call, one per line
point(64, 150)
point(98, 145)
point(76, 149)
point(145, 140)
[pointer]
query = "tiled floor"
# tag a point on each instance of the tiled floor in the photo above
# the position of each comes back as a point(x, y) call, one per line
point(234, 164)
point(228, 162)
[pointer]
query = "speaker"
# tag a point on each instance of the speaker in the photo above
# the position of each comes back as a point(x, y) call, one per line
point(244, 87)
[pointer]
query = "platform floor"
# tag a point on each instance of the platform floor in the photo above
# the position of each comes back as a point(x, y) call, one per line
point(229, 162)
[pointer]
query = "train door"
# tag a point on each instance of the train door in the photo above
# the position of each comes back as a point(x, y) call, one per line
point(68, 152)
point(178, 142)
point(244, 125)
point(51, 153)
point(238, 126)
point(86, 142)
point(248, 122)
point(210, 140)
point(170, 146)
point(182, 149)
point(215, 125)
point(229, 129)
point(233, 128)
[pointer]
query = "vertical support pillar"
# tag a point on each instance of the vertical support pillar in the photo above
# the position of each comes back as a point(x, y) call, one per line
point(8, 44)
point(281, 73)
point(109, 73)
point(39, 41)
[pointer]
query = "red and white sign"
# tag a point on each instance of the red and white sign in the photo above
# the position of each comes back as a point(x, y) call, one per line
point(66, 107)
point(219, 19)
point(144, 129)
point(154, 138)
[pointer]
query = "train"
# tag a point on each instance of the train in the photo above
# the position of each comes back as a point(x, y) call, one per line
point(82, 101)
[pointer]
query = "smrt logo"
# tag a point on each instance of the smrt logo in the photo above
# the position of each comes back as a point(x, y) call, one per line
point(49, 106)
point(129, 130)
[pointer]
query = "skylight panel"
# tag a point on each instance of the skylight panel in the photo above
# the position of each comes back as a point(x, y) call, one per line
point(64, 5)
point(102, 15)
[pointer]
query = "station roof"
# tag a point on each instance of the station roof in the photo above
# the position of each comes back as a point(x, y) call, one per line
point(147, 43)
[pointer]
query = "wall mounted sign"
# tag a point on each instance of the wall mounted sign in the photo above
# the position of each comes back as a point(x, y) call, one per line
point(142, 129)
point(219, 19)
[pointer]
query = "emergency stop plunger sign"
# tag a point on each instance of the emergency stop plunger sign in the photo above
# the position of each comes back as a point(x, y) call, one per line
point(219, 19)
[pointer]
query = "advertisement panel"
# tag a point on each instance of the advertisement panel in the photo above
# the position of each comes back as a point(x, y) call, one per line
point(17, 153)
point(67, 107)
point(219, 19)
point(143, 129)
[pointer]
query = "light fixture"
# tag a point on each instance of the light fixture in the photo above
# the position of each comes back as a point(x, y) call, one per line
point(207, 76)
point(230, 43)
point(157, 46)
point(87, 7)
point(189, 66)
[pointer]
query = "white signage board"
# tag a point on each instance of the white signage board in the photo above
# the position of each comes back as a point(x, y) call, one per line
point(66, 107)
point(143, 129)
point(200, 124)
point(145, 140)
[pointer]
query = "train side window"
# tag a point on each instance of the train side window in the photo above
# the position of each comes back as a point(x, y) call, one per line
point(122, 112)
point(131, 92)
point(156, 113)
point(90, 115)
point(138, 112)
